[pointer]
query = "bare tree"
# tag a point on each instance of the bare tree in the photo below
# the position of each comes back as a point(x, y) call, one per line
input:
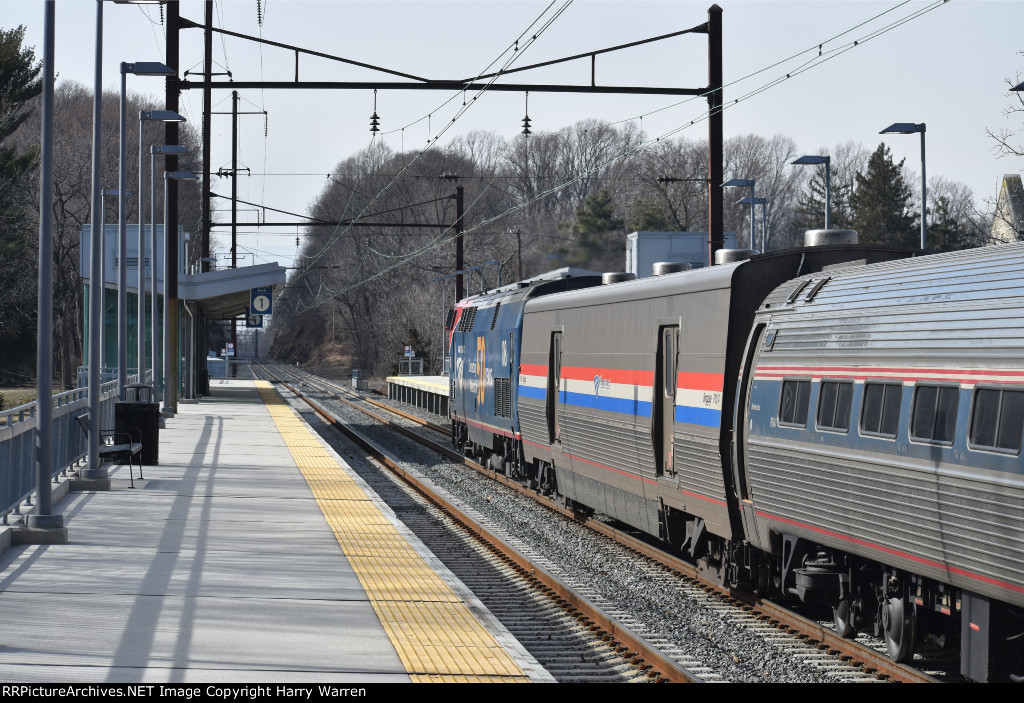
point(1005, 138)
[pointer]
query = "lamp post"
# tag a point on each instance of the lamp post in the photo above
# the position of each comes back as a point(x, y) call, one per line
point(170, 375)
point(96, 270)
point(763, 202)
point(154, 151)
point(745, 182)
point(814, 160)
point(104, 194)
point(911, 128)
point(140, 68)
point(144, 116)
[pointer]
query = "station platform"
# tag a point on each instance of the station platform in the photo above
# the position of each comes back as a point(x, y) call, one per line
point(427, 392)
point(251, 553)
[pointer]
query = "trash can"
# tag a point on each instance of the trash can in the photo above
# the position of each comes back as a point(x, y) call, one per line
point(139, 417)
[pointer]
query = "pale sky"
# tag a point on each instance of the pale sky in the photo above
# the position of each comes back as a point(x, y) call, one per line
point(946, 68)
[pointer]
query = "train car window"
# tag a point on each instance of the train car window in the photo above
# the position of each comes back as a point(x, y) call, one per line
point(448, 320)
point(796, 396)
point(554, 386)
point(669, 352)
point(835, 401)
point(880, 412)
point(933, 418)
point(997, 421)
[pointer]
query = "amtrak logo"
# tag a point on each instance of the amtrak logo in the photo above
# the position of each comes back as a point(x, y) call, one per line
point(600, 383)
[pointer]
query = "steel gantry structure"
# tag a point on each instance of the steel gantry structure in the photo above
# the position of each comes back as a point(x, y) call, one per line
point(407, 81)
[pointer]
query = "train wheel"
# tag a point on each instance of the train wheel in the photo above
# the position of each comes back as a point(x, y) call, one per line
point(899, 624)
point(843, 615)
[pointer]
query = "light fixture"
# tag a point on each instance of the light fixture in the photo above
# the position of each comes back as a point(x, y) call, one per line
point(763, 202)
point(745, 183)
point(911, 128)
point(139, 68)
point(154, 151)
point(815, 160)
point(147, 116)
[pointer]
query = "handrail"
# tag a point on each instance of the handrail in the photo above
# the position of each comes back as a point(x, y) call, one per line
point(68, 443)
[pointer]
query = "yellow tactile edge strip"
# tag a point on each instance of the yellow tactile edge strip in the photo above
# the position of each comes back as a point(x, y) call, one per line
point(436, 636)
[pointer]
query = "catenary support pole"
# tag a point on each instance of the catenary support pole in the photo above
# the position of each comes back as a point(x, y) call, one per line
point(716, 175)
point(96, 272)
point(43, 517)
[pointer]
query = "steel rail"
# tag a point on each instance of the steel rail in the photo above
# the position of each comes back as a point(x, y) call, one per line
point(629, 645)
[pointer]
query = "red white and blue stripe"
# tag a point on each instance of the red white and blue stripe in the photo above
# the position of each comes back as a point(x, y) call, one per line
point(698, 395)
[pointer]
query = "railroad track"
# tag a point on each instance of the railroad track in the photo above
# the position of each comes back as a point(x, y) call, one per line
point(552, 621)
point(791, 636)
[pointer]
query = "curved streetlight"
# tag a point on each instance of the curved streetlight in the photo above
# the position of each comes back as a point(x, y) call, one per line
point(911, 128)
point(763, 202)
point(745, 183)
point(104, 194)
point(154, 151)
point(139, 68)
point(815, 160)
point(144, 116)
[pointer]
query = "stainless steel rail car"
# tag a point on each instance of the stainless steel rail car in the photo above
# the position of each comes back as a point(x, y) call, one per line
point(626, 395)
point(879, 450)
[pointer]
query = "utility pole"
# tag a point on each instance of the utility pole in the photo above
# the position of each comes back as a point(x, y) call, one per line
point(716, 173)
point(458, 243)
point(171, 227)
point(207, 109)
point(234, 208)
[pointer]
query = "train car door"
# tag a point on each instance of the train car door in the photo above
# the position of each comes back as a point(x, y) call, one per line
point(554, 386)
point(664, 399)
point(758, 338)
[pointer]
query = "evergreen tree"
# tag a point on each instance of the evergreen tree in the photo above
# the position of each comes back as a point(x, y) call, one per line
point(19, 84)
point(599, 237)
point(881, 203)
point(946, 232)
point(597, 215)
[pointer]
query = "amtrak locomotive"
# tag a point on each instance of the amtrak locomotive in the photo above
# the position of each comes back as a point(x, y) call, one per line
point(840, 424)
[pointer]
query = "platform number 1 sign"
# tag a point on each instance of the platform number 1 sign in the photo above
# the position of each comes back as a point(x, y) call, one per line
point(260, 301)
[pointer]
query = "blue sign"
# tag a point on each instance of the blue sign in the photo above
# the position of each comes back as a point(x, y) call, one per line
point(261, 301)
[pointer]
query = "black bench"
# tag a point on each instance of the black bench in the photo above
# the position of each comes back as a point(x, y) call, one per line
point(109, 449)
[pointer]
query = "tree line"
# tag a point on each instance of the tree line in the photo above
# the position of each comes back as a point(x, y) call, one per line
point(20, 88)
point(565, 198)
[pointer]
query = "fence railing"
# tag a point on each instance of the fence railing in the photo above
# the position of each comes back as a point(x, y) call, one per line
point(67, 440)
